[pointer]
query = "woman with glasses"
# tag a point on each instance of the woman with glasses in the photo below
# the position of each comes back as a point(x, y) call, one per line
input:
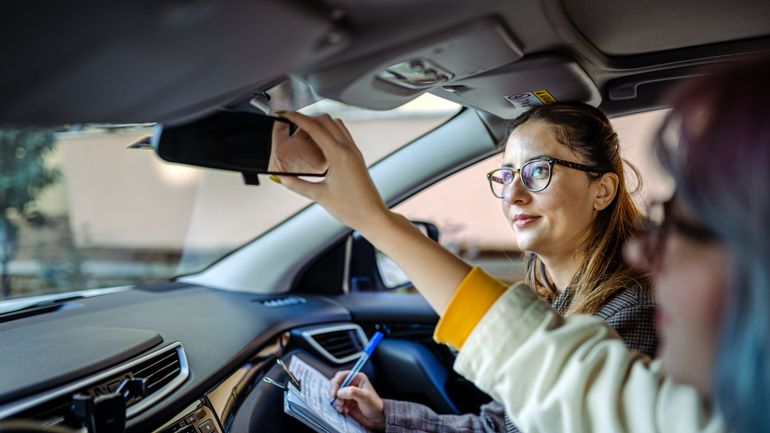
point(708, 259)
point(563, 190)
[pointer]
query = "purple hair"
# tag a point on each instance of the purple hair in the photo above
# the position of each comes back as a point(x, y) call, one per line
point(716, 144)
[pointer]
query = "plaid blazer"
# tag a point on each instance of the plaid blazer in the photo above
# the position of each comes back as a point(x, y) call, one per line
point(631, 313)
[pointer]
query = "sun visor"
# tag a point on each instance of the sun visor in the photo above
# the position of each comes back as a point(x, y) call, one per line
point(148, 61)
point(508, 91)
point(395, 76)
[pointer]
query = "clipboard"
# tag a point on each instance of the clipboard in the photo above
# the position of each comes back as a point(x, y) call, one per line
point(306, 398)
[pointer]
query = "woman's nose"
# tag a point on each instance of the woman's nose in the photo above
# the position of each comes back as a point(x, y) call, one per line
point(515, 192)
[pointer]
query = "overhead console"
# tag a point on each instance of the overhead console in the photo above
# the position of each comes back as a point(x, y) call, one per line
point(535, 80)
point(478, 64)
point(392, 77)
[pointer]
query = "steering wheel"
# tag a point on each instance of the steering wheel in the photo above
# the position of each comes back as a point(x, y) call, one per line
point(21, 426)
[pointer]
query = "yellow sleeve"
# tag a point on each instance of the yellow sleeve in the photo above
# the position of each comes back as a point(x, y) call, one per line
point(473, 297)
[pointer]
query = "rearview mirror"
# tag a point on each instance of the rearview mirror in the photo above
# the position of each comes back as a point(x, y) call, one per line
point(248, 143)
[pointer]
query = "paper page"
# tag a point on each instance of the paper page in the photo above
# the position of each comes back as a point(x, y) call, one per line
point(315, 393)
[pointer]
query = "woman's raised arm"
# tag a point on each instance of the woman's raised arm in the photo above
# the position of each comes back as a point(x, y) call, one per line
point(348, 193)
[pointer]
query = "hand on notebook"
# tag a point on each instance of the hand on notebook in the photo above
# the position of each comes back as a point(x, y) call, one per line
point(359, 400)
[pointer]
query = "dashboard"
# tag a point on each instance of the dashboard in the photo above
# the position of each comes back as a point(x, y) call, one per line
point(187, 358)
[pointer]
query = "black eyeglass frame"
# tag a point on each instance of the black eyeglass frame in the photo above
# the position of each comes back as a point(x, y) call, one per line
point(551, 162)
point(655, 233)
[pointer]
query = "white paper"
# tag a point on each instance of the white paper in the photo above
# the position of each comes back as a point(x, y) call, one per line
point(315, 393)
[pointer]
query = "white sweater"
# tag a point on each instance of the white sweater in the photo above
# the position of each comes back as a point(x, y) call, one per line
point(573, 375)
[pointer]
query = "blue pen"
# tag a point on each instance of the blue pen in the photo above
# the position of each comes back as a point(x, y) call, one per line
point(361, 361)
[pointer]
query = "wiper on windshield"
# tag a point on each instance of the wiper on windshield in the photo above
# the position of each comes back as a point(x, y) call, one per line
point(35, 308)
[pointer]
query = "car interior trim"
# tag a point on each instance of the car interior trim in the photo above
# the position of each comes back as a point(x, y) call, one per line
point(309, 336)
point(346, 265)
point(227, 395)
point(184, 373)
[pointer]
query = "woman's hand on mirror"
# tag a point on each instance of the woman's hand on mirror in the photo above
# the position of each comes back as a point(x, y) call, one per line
point(346, 191)
point(294, 153)
point(359, 400)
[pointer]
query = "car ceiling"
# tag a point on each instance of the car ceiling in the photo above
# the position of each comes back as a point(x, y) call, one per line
point(170, 61)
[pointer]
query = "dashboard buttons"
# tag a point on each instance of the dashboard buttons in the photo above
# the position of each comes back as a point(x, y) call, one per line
point(207, 427)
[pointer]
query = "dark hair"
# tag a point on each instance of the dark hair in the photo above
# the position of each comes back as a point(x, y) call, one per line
point(716, 144)
point(585, 130)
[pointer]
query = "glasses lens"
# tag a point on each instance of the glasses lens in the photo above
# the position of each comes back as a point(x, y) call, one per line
point(536, 174)
point(499, 179)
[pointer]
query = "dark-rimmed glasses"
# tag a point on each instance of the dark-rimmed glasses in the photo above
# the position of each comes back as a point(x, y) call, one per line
point(658, 226)
point(535, 175)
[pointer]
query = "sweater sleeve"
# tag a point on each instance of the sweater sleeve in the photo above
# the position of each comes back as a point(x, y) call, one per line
point(404, 416)
point(555, 374)
point(473, 297)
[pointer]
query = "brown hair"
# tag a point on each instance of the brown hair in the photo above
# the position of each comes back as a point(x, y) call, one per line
point(602, 274)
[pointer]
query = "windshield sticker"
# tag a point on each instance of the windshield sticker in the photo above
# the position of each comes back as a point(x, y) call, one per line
point(531, 99)
point(544, 96)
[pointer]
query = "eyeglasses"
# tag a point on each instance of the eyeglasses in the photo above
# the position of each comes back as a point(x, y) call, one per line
point(535, 175)
point(658, 226)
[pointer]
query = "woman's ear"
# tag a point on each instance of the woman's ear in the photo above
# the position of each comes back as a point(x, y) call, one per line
point(606, 190)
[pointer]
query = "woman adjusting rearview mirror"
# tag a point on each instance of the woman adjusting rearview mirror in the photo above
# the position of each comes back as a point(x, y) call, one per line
point(248, 143)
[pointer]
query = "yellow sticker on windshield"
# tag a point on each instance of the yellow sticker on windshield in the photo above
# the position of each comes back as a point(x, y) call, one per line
point(544, 96)
point(531, 99)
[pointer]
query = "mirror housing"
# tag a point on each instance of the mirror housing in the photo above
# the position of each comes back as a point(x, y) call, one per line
point(246, 142)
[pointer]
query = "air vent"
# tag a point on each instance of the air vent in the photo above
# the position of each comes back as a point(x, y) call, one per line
point(282, 301)
point(53, 412)
point(165, 370)
point(339, 343)
point(160, 372)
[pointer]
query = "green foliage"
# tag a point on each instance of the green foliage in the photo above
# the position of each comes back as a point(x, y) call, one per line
point(23, 173)
point(23, 176)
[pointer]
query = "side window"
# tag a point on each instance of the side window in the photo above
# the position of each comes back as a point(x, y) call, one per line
point(470, 219)
point(393, 278)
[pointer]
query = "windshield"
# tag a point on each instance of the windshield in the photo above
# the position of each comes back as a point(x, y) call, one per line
point(80, 210)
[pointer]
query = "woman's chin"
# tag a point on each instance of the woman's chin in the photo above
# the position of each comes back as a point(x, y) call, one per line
point(526, 243)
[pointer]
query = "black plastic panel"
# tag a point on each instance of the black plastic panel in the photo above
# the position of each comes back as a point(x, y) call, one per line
point(410, 371)
point(219, 331)
point(148, 61)
point(388, 307)
point(626, 27)
point(37, 358)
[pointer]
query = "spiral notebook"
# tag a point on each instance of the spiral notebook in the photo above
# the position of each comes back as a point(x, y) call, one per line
point(310, 404)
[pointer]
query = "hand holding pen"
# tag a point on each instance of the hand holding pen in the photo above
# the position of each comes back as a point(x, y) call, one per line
point(355, 395)
point(361, 361)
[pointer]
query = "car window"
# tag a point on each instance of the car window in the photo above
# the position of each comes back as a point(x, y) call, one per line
point(470, 219)
point(79, 210)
